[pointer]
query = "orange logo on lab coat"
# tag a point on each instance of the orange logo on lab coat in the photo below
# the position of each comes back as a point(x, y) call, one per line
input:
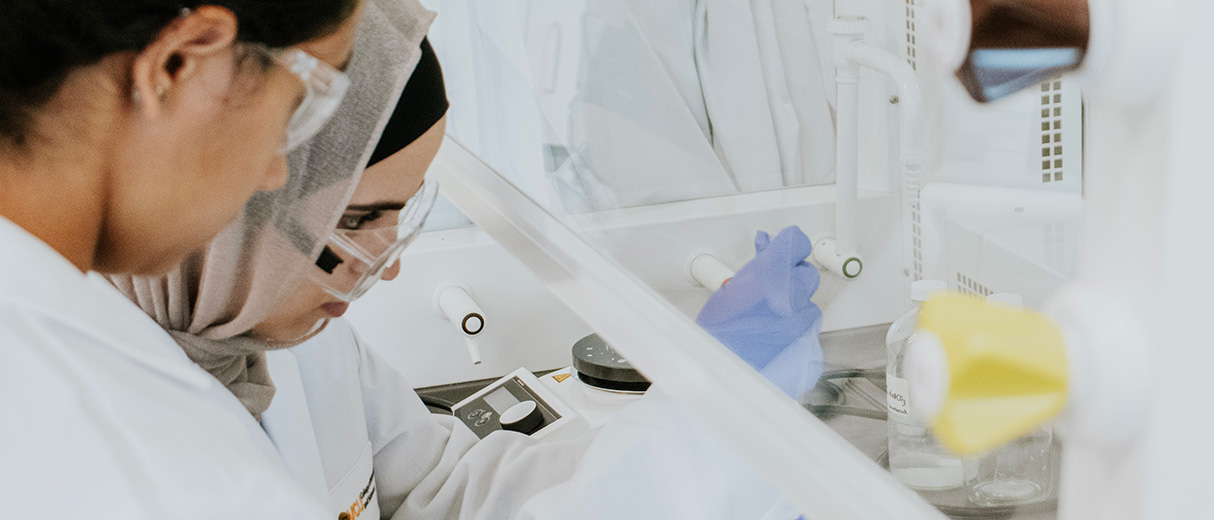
point(360, 504)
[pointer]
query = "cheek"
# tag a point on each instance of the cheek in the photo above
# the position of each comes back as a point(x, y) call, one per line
point(247, 138)
point(181, 180)
point(243, 157)
point(155, 218)
point(306, 298)
point(294, 315)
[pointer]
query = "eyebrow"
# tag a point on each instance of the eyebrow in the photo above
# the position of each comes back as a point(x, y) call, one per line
point(385, 205)
point(378, 206)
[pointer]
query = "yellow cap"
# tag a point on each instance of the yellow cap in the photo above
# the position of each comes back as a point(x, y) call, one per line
point(1007, 371)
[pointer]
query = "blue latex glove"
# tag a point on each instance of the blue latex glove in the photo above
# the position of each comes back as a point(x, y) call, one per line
point(765, 316)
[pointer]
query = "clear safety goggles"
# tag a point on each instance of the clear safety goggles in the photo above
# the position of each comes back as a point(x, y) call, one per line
point(354, 259)
point(324, 88)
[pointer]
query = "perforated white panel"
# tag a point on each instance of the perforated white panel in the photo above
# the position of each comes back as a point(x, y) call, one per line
point(971, 287)
point(912, 43)
point(1051, 131)
point(910, 52)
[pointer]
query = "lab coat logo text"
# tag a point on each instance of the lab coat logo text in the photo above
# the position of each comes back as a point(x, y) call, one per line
point(360, 504)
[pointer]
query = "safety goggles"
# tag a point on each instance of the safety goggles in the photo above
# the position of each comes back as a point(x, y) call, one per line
point(324, 88)
point(354, 259)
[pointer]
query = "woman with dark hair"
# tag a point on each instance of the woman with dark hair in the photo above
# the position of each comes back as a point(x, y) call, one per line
point(130, 134)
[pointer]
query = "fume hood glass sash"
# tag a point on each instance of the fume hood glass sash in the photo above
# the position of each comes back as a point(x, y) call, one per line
point(804, 459)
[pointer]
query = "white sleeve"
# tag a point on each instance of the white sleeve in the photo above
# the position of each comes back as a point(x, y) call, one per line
point(651, 462)
point(433, 466)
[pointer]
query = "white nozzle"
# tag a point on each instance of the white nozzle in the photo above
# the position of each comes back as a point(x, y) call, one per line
point(708, 271)
point(474, 349)
point(455, 303)
point(826, 256)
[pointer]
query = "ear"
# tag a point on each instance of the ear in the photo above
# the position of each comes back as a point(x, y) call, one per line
point(177, 52)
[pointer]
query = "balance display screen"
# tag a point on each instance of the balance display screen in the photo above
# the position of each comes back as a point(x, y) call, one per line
point(500, 400)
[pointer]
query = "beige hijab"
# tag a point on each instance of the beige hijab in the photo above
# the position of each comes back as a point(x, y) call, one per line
point(213, 299)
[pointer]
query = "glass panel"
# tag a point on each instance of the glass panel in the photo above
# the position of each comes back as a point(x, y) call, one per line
point(590, 105)
point(664, 132)
point(763, 431)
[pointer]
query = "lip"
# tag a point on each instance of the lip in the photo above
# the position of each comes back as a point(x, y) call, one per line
point(335, 309)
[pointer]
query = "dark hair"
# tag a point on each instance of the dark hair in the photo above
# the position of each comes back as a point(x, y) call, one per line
point(41, 41)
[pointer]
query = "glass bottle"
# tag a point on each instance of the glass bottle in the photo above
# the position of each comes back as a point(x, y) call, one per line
point(916, 458)
point(1021, 471)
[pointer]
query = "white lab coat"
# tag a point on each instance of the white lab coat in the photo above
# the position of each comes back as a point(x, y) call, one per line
point(765, 69)
point(341, 413)
point(105, 417)
point(690, 99)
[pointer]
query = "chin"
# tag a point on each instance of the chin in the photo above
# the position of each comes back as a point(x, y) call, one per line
point(281, 332)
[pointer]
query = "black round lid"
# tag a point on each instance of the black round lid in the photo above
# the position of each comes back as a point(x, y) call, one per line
point(599, 365)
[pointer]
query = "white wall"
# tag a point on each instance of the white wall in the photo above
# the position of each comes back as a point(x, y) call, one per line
point(524, 324)
point(527, 326)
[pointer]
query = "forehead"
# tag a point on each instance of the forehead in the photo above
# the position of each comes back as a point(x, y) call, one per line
point(397, 177)
point(393, 179)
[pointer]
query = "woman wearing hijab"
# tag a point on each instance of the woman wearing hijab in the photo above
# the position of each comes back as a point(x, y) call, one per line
point(102, 109)
point(348, 427)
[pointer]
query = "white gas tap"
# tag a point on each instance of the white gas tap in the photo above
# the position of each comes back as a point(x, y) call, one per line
point(454, 302)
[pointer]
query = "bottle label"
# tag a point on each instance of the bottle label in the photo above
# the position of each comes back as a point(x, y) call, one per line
point(895, 398)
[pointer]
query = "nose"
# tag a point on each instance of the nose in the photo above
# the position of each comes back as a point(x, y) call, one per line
point(276, 174)
point(392, 271)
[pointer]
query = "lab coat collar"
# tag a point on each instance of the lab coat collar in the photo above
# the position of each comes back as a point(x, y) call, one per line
point(288, 423)
point(34, 276)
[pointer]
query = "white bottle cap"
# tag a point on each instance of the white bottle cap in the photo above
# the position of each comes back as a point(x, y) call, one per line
point(921, 289)
point(1007, 298)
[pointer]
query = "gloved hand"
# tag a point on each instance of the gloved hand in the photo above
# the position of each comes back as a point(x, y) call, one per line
point(765, 316)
